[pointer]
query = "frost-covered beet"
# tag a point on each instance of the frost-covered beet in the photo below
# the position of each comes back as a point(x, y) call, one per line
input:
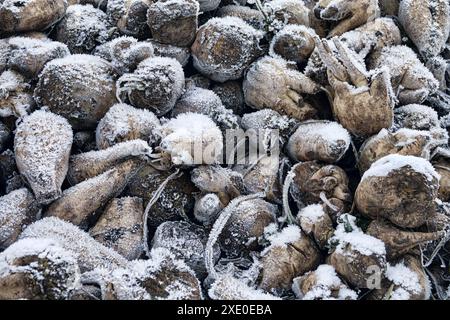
point(399, 242)
point(317, 183)
point(226, 183)
point(207, 208)
point(416, 117)
point(17, 210)
point(291, 254)
point(81, 88)
point(130, 16)
point(191, 139)
point(322, 284)
point(120, 227)
point(268, 120)
point(42, 148)
point(231, 95)
point(152, 170)
point(87, 165)
point(187, 242)
point(251, 223)
point(206, 102)
point(405, 142)
point(28, 56)
point(156, 84)
point(83, 28)
point(319, 140)
point(181, 54)
point(162, 277)
point(409, 77)
point(427, 23)
point(363, 101)
point(246, 225)
point(225, 47)
point(79, 203)
point(227, 287)
point(399, 188)
point(37, 269)
point(293, 43)
point(315, 222)
point(90, 254)
point(356, 255)
point(125, 53)
point(262, 173)
point(271, 83)
point(404, 280)
point(367, 41)
point(175, 201)
point(283, 12)
point(253, 17)
point(124, 123)
point(16, 96)
point(370, 39)
point(348, 14)
point(173, 21)
point(263, 176)
point(30, 15)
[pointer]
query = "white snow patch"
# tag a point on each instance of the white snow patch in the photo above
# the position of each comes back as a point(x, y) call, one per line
point(313, 213)
point(187, 136)
point(289, 234)
point(326, 280)
point(384, 166)
point(405, 278)
point(356, 238)
point(226, 287)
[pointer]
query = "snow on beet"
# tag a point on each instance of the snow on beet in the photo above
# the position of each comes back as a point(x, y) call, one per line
point(224, 150)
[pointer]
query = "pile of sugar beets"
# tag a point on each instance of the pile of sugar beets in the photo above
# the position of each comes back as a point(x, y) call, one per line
point(102, 100)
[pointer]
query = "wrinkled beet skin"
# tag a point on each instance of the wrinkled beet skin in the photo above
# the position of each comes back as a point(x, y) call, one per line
point(404, 197)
